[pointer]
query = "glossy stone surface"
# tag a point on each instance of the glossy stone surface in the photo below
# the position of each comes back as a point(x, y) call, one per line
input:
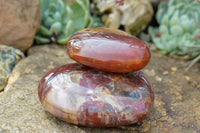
point(89, 97)
point(108, 50)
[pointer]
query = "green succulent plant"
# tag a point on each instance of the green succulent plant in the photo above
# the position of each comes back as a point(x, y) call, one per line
point(179, 30)
point(9, 57)
point(62, 18)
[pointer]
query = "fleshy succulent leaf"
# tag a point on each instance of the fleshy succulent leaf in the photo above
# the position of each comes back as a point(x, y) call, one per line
point(63, 39)
point(44, 31)
point(56, 28)
point(40, 39)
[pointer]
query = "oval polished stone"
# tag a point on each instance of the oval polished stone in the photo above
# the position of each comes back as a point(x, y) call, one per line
point(89, 97)
point(108, 50)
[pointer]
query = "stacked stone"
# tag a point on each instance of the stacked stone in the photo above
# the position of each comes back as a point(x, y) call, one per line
point(107, 88)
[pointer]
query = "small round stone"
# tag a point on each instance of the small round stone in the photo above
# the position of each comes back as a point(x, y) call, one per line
point(89, 97)
point(108, 50)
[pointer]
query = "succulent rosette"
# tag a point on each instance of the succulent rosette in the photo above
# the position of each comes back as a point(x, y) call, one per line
point(60, 19)
point(179, 30)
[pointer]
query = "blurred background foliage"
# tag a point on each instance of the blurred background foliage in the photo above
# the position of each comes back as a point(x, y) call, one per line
point(179, 28)
point(178, 33)
point(61, 19)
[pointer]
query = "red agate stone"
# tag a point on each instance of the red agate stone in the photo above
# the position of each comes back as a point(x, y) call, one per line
point(89, 97)
point(108, 50)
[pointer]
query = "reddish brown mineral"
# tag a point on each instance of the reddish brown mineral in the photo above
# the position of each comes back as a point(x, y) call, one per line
point(108, 50)
point(89, 97)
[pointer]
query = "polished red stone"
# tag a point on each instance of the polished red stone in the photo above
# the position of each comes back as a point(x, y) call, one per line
point(89, 97)
point(108, 50)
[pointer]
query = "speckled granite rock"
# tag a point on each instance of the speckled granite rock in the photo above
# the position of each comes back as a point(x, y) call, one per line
point(176, 108)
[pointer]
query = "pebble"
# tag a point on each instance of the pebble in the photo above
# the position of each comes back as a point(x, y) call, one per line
point(173, 69)
point(108, 50)
point(165, 73)
point(158, 78)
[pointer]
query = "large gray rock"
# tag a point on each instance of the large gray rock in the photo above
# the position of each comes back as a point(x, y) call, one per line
point(19, 21)
point(176, 108)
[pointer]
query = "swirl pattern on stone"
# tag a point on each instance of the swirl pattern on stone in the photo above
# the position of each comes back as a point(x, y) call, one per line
point(89, 97)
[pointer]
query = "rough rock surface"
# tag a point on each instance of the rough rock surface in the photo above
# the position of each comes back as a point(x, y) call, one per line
point(20, 20)
point(176, 108)
point(133, 15)
point(9, 57)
